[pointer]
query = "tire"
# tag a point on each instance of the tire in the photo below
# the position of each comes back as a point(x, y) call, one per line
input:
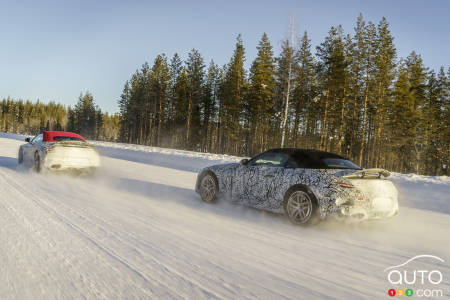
point(20, 157)
point(209, 188)
point(37, 162)
point(300, 206)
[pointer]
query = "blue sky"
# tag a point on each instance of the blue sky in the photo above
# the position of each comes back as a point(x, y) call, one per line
point(53, 50)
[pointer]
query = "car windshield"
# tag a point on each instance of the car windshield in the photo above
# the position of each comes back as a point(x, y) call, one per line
point(339, 163)
point(66, 138)
point(269, 159)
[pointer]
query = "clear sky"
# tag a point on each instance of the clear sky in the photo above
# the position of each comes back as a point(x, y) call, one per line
point(53, 50)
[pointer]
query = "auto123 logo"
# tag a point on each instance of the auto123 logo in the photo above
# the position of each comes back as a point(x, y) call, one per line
point(419, 276)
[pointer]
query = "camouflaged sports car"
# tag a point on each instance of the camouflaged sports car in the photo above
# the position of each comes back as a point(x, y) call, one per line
point(306, 185)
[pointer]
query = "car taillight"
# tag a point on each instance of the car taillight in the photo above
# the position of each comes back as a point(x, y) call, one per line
point(345, 185)
point(49, 149)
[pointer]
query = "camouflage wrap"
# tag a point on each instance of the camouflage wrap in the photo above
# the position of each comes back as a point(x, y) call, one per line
point(266, 187)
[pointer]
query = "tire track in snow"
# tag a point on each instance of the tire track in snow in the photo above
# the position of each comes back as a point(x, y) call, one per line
point(137, 241)
point(62, 221)
point(111, 253)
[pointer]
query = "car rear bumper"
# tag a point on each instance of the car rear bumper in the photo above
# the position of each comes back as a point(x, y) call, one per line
point(61, 164)
point(361, 214)
point(366, 199)
point(379, 208)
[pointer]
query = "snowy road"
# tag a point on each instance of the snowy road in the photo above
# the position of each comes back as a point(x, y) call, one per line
point(138, 231)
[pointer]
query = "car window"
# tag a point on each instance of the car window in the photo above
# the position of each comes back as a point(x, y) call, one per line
point(37, 139)
point(306, 160)
point(339, 163)
point(269, 159)
point(67, 138)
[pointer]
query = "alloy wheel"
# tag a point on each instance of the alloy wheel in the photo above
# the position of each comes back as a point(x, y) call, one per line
point(208, 188)
point(299, 207)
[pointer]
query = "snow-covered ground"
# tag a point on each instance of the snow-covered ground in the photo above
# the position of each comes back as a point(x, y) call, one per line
point(138, 230)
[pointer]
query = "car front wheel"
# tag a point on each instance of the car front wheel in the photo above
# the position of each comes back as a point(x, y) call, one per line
point(209, 188)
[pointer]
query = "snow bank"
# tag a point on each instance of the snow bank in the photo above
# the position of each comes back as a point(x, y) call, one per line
point(423, 192)
point(421, 178)
point(173, 158)
point(13, 136)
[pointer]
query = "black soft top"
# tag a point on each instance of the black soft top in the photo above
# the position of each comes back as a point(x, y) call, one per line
point(315, 154)
point(307, 158)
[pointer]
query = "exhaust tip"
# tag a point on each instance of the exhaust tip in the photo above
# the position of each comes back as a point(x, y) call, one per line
point(358, 216)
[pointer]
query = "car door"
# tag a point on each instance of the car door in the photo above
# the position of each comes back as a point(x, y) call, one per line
point(26, 149)
point(30, 148)
point(267, 170)
point(237, 178)
point(245, 182)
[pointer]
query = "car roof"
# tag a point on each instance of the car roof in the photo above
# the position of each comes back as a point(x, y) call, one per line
point(318, 154)
point(49, 135)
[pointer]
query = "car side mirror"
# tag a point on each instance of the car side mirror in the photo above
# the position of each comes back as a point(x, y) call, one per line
point(27, 140)
point(244, 162)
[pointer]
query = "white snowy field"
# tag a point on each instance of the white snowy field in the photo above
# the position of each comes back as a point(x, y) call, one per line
point(137, 230)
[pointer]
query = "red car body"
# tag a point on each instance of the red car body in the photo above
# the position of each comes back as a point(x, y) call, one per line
point(49, 135)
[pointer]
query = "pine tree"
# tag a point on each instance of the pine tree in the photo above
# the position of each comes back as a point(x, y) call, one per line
point(407, 120)
point(261, 95)
point(160, 84)
point(305, 108)
point(232, 97)
point(195, 76)
point(417, 78)
point(445, 99)
point(181, 108)
point(175, 67)
point(286, 65)
point(332, 71)
point(210, 98)
point(124, 108)
point(402, 121)
point(384, 74)
point(433, 118)
point(86, 116)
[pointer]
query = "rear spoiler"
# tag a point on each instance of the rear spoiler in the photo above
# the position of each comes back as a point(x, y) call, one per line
point(368, 173)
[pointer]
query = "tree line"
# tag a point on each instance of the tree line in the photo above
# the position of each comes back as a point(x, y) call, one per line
point(26, 117)
point(351, 96)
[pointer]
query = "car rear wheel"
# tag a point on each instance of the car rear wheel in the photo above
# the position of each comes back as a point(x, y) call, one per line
point(300, 207)
point(209, 188)
point(37, 163)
